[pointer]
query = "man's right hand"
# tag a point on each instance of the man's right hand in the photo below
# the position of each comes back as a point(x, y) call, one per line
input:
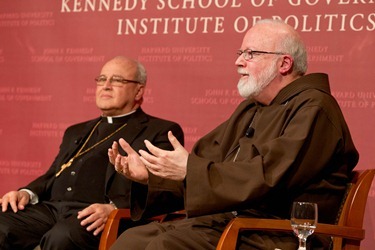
point(16, 199)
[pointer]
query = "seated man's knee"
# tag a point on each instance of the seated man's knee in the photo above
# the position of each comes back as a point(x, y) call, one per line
point(66, 235)
point(136, 237)
point(58, 235)
point(10, 238)
point(171, 240)
point(3, 239)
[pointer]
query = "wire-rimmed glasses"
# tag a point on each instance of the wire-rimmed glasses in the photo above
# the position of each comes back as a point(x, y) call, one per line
point(114, 80)
point(248, 54)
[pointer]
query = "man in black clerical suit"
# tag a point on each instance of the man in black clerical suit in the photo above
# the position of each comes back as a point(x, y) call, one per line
point(67, 207)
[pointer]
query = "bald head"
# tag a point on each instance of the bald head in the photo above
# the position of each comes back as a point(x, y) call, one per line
point(275, 35)
point(132, 66)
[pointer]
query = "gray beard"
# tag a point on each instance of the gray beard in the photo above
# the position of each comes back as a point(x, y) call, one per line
point(253, 85)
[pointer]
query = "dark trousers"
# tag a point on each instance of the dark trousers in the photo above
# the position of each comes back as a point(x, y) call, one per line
point(52, 225)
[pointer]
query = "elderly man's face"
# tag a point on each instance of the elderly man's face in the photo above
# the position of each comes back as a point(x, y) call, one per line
point(251, 84)
point(116, 98)
point(257, 72)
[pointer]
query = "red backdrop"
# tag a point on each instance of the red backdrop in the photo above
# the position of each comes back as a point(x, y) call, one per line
point(50, 52)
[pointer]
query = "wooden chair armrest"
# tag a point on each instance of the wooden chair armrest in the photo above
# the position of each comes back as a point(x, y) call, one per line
point(229, 237)
point(109, 234)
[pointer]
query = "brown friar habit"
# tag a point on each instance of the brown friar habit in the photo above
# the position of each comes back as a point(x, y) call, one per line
point(298, 148)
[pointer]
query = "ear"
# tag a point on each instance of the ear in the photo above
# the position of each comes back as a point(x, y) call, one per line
point(140, 92)
point(286, 64)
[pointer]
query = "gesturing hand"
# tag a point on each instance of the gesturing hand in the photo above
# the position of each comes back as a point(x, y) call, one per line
point(166, 164)
point(130, 166)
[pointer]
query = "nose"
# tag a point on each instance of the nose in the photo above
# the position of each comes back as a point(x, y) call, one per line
point(240, 61)
point(107, 84)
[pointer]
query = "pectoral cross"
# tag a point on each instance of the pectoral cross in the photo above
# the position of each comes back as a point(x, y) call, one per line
point(64, 166)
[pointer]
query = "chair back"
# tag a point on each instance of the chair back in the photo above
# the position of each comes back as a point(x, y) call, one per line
point(353, 209)
point(348, 232)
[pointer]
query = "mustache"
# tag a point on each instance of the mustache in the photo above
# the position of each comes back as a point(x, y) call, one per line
point(242, 71)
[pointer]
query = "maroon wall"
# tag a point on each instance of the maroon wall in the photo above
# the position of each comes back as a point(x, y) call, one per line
point(50, 52)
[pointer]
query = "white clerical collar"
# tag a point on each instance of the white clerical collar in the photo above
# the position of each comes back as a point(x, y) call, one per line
point(110, 118)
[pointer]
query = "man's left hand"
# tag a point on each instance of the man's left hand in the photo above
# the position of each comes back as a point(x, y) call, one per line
point(166, 164)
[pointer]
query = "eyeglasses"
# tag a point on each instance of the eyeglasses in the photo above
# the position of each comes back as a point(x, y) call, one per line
point(248, 53)
point(114, 81)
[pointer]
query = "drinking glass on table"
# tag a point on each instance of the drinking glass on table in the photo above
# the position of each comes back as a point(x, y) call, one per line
point(304, 218)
